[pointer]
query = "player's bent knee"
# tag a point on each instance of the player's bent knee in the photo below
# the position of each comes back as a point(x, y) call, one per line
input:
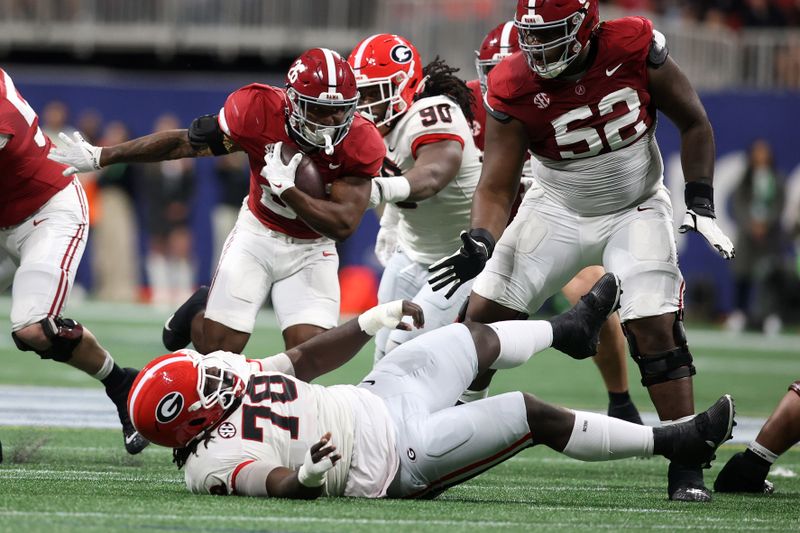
point(486, 340)
point(62, 334)
point(667, 365)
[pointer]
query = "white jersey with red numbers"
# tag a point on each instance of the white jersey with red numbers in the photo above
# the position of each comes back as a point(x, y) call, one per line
point(28, 178)
point(255, 116)
point(425, 230)
point(593, 138)
point(278, 421)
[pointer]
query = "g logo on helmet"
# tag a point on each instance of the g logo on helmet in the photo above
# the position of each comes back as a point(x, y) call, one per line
point(169, 407)
point(401, 53)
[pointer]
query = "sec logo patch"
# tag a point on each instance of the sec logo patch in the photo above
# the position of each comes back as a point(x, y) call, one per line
point(227, 430)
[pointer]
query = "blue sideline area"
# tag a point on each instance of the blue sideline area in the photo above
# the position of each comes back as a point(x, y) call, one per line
point(138, 98)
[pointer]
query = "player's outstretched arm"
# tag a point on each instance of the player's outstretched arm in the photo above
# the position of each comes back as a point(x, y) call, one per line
point(436, 165)
point(330, 350)
point(674, 95)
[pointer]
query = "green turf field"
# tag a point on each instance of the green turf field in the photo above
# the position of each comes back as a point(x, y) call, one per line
point(82, 480)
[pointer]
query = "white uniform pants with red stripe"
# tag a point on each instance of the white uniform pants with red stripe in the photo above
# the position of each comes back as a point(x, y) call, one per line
point(441, 445)
point(39, 257)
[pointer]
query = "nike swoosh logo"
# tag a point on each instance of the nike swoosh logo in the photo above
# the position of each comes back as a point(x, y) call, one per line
point(277, 186)
point(610, 72)
point(131, 437)
point(333, 167)
point(37, 222)
point(328, 254)
point(640, 208)
point(369, 381)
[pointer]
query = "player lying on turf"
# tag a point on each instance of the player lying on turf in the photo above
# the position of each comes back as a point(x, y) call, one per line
point(747, 471)
point(258, 428)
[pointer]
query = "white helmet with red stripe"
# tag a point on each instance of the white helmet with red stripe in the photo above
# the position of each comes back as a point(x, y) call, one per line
point(322, 94)
point(391, 63)
point(552, 26)
point(501, 42)
point(179, 397)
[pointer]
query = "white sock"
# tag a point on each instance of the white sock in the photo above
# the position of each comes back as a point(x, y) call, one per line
point(105, 370)
point(472, 395)
point(596, 437)
point(763, 452)
point(519, 340)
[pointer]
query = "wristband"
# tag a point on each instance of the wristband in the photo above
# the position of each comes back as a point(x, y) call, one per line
point(394, 189)
point(699, 197)
point(380, 316)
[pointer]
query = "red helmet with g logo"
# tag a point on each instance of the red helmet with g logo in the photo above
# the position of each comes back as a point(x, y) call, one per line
point(320, 82)
point(501, 42)
point(545, 25)
point(391, 63)
point(178, 397)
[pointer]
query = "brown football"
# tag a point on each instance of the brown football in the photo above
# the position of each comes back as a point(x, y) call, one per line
point(307, 178)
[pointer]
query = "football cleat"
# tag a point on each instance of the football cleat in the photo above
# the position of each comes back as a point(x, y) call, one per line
point(177, 332)
point(742, 475)
point(695, 441)
point(134, 442)
point(577, 332)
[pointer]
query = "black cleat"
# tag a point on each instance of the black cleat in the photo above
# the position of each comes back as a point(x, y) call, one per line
point(134, 442)
point(577, 332)
point(625, 411)
point(694, 442)
point(742, 475)
point(686, 484)
point(177, 332)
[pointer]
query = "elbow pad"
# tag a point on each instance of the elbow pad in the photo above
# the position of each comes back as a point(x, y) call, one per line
point(205, 131)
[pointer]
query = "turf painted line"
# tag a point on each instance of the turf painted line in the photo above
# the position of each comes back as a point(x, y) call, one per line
point(91, 408)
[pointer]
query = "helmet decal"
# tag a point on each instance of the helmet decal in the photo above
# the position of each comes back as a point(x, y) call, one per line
point(169, 407)
point(401, 53)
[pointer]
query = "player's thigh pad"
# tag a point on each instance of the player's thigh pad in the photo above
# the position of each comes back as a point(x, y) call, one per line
point(309, 294)
point(536, 255)
point(453, 445)
point(49, 253)
point(642, 252)
point(244, 275)
point(438, 310)
point(429, 372)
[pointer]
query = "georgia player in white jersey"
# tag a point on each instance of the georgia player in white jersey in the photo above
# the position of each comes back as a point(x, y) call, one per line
point(257, 428)
point(44, 224)
point(430, 172)
point(582, 96)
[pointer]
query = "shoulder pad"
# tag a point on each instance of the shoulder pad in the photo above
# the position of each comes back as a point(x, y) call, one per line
point(658, 50)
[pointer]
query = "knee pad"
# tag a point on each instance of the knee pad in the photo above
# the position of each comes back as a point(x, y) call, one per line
point(665, 366)
point(64, 335)
point(795, 387)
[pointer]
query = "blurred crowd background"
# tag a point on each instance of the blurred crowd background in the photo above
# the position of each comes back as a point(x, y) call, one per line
point(115, 69)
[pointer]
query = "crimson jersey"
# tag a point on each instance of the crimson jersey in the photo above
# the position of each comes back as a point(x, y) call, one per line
point(607, 109)
point(28, 178)
point(255, 116)
point(479, 112)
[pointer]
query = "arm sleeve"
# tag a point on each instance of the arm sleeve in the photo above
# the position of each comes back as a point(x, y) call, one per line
point(249, 478)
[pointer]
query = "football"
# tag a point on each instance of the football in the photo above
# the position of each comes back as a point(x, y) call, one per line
point(307, 178)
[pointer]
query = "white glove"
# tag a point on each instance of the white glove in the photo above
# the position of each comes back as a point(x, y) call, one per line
point(389, 189)
point(707, 227)
point(386, 315)
point(312, 474)
point(385, 245)
point(79, 155)
point(280, 176)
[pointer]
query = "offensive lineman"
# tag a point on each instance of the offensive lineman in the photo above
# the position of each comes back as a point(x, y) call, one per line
point(611, 360)
point(44, 224)
point(583, 96)
point(432, 164)
point(283, 241)
point(256, 428)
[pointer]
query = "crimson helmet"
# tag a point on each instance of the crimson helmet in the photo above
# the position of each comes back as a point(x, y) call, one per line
point(320, 78)
point(501, 42)
point(180, 396)
point(392, 63)
point(564, 23)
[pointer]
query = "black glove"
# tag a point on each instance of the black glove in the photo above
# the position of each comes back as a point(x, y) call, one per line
point(465, 264)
